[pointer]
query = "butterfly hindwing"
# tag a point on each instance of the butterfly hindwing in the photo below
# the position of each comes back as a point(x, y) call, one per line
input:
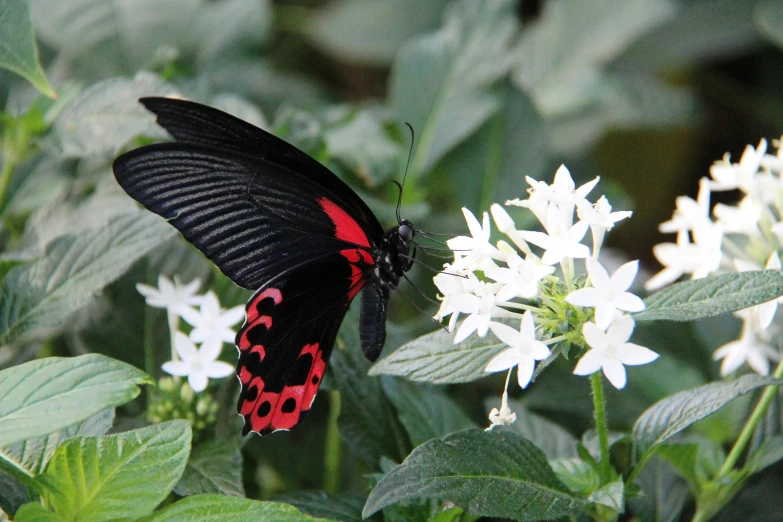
point(288, 336)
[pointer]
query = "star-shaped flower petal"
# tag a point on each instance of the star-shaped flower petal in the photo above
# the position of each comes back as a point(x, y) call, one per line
point(473, 250)
point(173, 296)
point(690, 214)
point(561, 241)
point(480, 307)
point(523, 352)
point(698, 259)
point(521, 278)
point(199, 365)
point(729, 176)
point(750, 348)
point(211, 322)
point(607, 295)
point(601, 219)
point(611, 350)
point(562, 193)
point(450, 284)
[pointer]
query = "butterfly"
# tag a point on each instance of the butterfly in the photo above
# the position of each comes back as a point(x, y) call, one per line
point(276, 221)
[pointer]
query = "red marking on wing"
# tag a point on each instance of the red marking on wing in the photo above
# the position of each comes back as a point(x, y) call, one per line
point(356, 257)
point(252, 307)
point(346, 228)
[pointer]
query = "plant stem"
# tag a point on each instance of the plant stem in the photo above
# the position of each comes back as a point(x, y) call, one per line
point(5, 178)
point(599, 412)
point(149, 351)
point(750, 425)
point(332, 450)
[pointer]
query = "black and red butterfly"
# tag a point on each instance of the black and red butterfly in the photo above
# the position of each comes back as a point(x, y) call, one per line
point(276, 221)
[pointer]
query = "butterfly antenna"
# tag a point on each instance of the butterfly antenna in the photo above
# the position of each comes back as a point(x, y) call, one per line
point(404, 176)
point(428, 267)
point(418, 290)
point(417, 307)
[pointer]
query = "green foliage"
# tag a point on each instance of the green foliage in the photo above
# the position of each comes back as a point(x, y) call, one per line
point(676, 412)
point(495, 91)
point(45, 396)
point(434, 358)
point(467, 469)
point(691, 300)
point(18, 51)
point(123, 475)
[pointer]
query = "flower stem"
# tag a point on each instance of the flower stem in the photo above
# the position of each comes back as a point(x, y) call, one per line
point(750, 425)
point(599, 412)
point(332, 450)
point(173, 320)
point(149, 351)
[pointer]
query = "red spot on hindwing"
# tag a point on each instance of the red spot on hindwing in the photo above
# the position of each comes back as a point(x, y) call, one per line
point(346, 227)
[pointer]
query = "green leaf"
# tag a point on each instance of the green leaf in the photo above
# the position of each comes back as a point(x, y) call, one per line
point(579, 476)
point(74, 268)
point(18, 52)
point(553, 440)
point(676, 412)
point(664, 493)
point(13, 494)
point(425, 413)
point(696, 459)
point(496, 474)
point(43, 396)
point(207, 508)
point(116, 476)
point(371, 31)
point(107, 115)
point(35, 512)
point(367, 419)
point(768, 453)
point(441, 83)
point(611, 495)
point(30, 456)
point(768, 17)
point(690, 300)
point(215, 466)
point(345, 508)
point(448, 515)
point(434, 358)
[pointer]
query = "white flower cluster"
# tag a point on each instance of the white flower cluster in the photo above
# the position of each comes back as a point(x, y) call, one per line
point(734, 239)
point(489, 281)
point(211, 328)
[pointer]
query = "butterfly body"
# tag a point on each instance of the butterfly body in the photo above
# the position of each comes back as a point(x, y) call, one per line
point(276, 221)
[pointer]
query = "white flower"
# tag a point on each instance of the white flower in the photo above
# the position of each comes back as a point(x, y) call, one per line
point(211, 322)
point(611, 350)
point(173, 296)
point(690, 214)
point(750, 348)
point(601, 219)
point(698, 259)
point(561, 241)
point(506, 225)
point(562, 193)
point(450, 285)
point(607, 295)
point(481, 307)
point(473, 250)
point(199, 365)
point(504, 416)
point(523, 352)
point(521, 278)
point(742, 219)
point(730, 176)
